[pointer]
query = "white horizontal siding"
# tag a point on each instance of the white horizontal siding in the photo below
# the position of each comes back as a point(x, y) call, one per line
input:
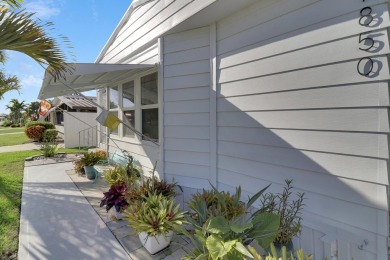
point(292, 105)
point(146, 154)
point(148, 56)
point(365, 95)
point(372, 195)
point(360, 168)
point(186, 107)
point(358, 144)
point(160, 18)
point(376, 120)
point(187, 94)
point(317, 22)
point(194, 119)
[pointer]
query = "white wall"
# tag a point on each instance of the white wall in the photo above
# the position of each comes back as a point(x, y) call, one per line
point(74, 122)
point(146, 24)
point(290, 104)
point(186, 107)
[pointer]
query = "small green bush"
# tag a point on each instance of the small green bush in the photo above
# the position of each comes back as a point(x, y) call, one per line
point(46, 125)
point(50, 135)
point(35, 132)
point(48, 149)
point(16, 125)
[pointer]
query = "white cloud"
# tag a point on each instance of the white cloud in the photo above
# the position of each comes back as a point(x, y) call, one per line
point(31, 81)
point(44, 9)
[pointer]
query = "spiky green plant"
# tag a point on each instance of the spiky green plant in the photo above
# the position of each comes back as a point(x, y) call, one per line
point(155, 215)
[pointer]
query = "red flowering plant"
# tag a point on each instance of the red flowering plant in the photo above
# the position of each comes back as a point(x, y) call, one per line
point(115, 197)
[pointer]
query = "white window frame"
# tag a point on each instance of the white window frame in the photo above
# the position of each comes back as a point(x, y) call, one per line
point(137, 106)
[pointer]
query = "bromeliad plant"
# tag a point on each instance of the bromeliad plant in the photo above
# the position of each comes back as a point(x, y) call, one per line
point(155, 215)
point(115, 197)
point(211, 203)
point(223, 227)
point(119, 175)
point(151, 185)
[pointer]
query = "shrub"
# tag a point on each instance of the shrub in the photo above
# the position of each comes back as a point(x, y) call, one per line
point(288, 209)
point(46, 125)
point(35, 132)
point(50, 135)
point(15, 125)
point(48, 149)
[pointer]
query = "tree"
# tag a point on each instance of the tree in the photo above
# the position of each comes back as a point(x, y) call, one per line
point(32, 110)
point(20, 32)
point(16, 108)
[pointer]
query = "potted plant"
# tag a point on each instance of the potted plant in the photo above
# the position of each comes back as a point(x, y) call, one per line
point(151, 185)
point(289, 211)
point(154, 219)
point(115, 198)
point(223, 227)
point(89, 160)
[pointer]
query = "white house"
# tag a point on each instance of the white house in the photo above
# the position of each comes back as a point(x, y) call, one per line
point(74, 118)
point(253, 92)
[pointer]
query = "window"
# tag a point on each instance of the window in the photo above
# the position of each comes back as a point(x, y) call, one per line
point(149, 94)
point(114, 98)
point(136, 103)
point(128, 104)
point(114, 104)
point(149, 105)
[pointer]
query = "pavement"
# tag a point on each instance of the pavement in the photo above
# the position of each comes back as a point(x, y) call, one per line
point(61, 219)
point(23, 147)
point(57, 222)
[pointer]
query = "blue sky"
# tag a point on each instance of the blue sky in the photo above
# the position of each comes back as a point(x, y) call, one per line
point(87, 23)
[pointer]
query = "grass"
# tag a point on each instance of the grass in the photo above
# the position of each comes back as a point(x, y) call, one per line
point(11, 181)
point(11, 130)
point(13, 139)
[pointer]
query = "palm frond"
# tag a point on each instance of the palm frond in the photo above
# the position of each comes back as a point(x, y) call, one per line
point(20, 32)
point(7, 4)
point(3, 57)
point(8, 83)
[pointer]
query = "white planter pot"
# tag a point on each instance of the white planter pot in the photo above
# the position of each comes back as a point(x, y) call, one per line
point(156, 243)
point(116, 213)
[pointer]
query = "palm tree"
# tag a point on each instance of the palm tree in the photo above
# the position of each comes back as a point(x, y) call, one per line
point(20, 32)
point(32, 110)
point(16, 109)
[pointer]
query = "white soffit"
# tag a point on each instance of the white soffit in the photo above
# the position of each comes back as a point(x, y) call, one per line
point(88, 76)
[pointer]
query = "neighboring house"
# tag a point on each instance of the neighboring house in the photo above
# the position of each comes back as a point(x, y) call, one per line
point(3, 116)
point(254, 92)
point(73, 118)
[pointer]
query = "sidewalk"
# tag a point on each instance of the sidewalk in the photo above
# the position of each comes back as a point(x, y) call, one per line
point(57, 222)
point(23, 147)
point(61, 219)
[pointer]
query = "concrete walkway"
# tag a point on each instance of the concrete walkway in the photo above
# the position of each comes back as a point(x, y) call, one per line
point(57, 222)
point(23, 147)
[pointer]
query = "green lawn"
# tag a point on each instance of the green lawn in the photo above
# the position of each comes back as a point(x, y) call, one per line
point(13, 139)
point(6, 130)
point(11, 180)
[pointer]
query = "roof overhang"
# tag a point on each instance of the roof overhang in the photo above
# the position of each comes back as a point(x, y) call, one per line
point(88, 76)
